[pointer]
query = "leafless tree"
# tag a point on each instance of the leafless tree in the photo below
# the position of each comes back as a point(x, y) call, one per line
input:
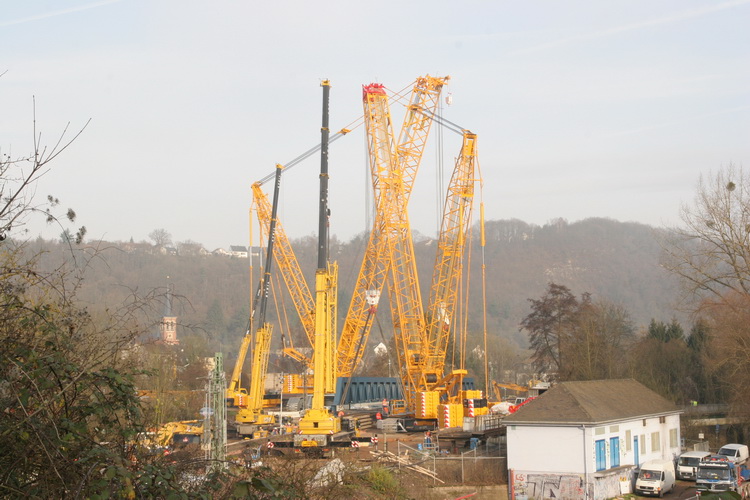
point(710, 251)
point(189, 247)
point(18, 178)
point(603, 332)
point(160, 237)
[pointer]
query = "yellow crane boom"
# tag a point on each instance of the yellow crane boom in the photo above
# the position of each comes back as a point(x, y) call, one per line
point(391, 164)
point(449, 262)
point(236, 395)
point(249, 416)
point(422, 340)
point(442, 395)
point(289, 267)
point(393, 168)
point(318, 426)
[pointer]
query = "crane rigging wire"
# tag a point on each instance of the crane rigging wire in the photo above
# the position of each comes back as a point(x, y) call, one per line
point(396, 97)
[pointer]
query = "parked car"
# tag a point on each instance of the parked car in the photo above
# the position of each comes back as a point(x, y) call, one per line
point(687, 464)
point(737, 453)
point(656, 477)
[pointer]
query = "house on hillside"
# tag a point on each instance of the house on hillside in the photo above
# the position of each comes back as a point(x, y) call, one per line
point(220, 251)
point(238, 251)
point(586, 439)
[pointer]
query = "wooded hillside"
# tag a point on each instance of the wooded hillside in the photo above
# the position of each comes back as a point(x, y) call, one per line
point(614, 261)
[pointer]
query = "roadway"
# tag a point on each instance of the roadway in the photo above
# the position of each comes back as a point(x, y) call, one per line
point(682, 490)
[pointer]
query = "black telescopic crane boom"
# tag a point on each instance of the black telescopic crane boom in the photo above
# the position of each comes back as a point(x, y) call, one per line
point(323, 210)
point(265, 284)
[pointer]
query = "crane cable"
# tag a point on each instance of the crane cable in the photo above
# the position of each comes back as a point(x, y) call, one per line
point(338, 135)
point(482, 245)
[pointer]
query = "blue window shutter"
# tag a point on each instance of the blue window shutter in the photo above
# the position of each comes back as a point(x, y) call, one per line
point(601, 455)
point(614, 451)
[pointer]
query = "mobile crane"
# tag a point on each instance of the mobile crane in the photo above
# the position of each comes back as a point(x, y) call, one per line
point(319, 427)
point(250, 416)
point(236, 395)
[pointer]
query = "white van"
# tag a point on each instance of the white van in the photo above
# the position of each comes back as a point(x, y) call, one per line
point(656, 477)
point(687, 464)
point(737, 453)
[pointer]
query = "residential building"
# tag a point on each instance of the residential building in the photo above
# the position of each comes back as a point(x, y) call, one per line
point(586, 439)
point(238, 251)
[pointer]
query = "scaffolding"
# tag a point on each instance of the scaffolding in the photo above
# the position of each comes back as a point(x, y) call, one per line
point(215, 416)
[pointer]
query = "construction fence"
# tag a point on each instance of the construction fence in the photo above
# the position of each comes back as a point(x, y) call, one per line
point(480, 465)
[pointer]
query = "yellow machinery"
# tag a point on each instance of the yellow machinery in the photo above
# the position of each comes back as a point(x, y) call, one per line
point(519, 390)
point(175, 434)
point(422, 339)
point(318, 426)
point(443, 301)
point(391, 165)
point(236, 395)
point(289, 267)
point(250, 416)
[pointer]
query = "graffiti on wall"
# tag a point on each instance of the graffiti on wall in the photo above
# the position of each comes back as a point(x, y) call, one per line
point(542, 486)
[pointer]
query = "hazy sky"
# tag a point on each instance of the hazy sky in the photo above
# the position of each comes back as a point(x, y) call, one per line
point(582, 108)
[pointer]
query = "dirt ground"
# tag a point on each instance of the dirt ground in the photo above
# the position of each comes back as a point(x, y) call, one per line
point(456, 479)
point(480, 478)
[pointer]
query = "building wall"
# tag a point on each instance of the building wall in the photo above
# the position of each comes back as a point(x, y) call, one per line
point(561, 449)
point(656, 440)
point(552, 448)
point(523, 485)
point(553, 462)
point(168, 329)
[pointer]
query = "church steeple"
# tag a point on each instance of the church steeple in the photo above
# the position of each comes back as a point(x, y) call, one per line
point(168, 326)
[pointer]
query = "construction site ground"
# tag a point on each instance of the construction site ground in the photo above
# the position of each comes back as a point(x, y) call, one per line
point(448, 469)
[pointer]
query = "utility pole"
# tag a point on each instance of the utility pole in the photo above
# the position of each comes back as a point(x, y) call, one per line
point(215, 423)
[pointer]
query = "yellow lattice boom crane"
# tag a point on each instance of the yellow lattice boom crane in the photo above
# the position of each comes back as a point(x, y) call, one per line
point(393, 167)
point(447, 390)
point(289, 268)
point(392, 164)
point(421, 338)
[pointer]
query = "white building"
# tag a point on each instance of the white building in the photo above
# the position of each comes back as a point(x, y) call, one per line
point(585, 439)
point(238, 251)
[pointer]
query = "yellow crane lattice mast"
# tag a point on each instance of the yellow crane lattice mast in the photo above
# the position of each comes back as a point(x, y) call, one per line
point(393, 168)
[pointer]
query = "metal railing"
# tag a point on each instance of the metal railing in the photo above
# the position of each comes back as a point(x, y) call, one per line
point(433, 459)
